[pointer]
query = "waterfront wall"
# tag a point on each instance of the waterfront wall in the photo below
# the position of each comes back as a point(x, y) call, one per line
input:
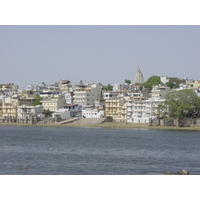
point(176, 123)
point(153, 122)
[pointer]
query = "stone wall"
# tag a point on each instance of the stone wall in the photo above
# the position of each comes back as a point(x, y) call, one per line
point(181, 123)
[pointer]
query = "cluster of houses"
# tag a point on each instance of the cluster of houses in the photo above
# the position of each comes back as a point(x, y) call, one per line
point(126, 103)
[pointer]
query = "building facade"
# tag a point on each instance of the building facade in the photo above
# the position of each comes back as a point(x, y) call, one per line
point(115, 108)
point(86, 94)
point(143, 111)
point(53, 102)
point(75, 109)
point(159, 91)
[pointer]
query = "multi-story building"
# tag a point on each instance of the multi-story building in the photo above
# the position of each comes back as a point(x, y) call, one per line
point(9, 108)
point(115, 108)
point(131, 90)
point(27, 111)
point(191, 84)
point(69, 97)
point(109, 94)
point(65, 86)
point(159, 91)
point(53, 102)
point(143, 110)
point(53, 87)
point(9, 89)
point(86, 94)
point(25, 98)
point(62, 113)
point(35, 88)
point(75, 109)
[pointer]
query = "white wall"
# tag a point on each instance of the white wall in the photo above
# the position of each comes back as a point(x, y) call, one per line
point(63, 113)
point(91, 113)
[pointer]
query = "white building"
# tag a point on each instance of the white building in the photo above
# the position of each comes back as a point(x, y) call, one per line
point(65, 86)
point(116, 87)
point(9, 89)
point(9, 107)
point(110, 94)
point(164, 79)
point(27, 111)
point(86, 94)
point(62, 114)
point(69, 97)
point(142, 111)
point(35, 88)
point(29, 87)
point(75, 109)
point(92, 113)
point(198, 92)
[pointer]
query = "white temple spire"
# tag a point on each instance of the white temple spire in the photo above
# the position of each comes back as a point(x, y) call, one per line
point(139, 76)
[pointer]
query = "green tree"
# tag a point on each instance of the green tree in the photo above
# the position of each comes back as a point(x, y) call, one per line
point(170, 84)
point(128, 81)
point(107, 88)
point(175, 82)
point(162, 109)
point(47, 113)
point(153, 80)
point(182, 104)
point(37, 101)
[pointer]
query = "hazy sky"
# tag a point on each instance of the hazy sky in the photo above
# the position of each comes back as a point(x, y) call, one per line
point(106, 54)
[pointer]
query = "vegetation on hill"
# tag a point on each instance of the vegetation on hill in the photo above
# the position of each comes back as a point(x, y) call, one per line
point(153, 80)
point(174, 82)
point(108, 87)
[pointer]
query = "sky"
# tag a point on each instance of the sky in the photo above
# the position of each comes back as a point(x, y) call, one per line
point(107, 54)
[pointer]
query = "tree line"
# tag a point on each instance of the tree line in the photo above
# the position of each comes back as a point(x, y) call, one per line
point(180, 105)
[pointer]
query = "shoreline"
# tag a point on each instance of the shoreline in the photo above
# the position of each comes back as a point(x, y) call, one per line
point(110, 125)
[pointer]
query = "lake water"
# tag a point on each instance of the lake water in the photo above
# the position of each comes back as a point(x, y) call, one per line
point(97, 151)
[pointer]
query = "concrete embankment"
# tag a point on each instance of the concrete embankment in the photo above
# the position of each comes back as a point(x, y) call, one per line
point(73, 122)
point(83, 122)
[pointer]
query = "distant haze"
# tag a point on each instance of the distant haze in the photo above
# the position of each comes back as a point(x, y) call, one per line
point(106, 54)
